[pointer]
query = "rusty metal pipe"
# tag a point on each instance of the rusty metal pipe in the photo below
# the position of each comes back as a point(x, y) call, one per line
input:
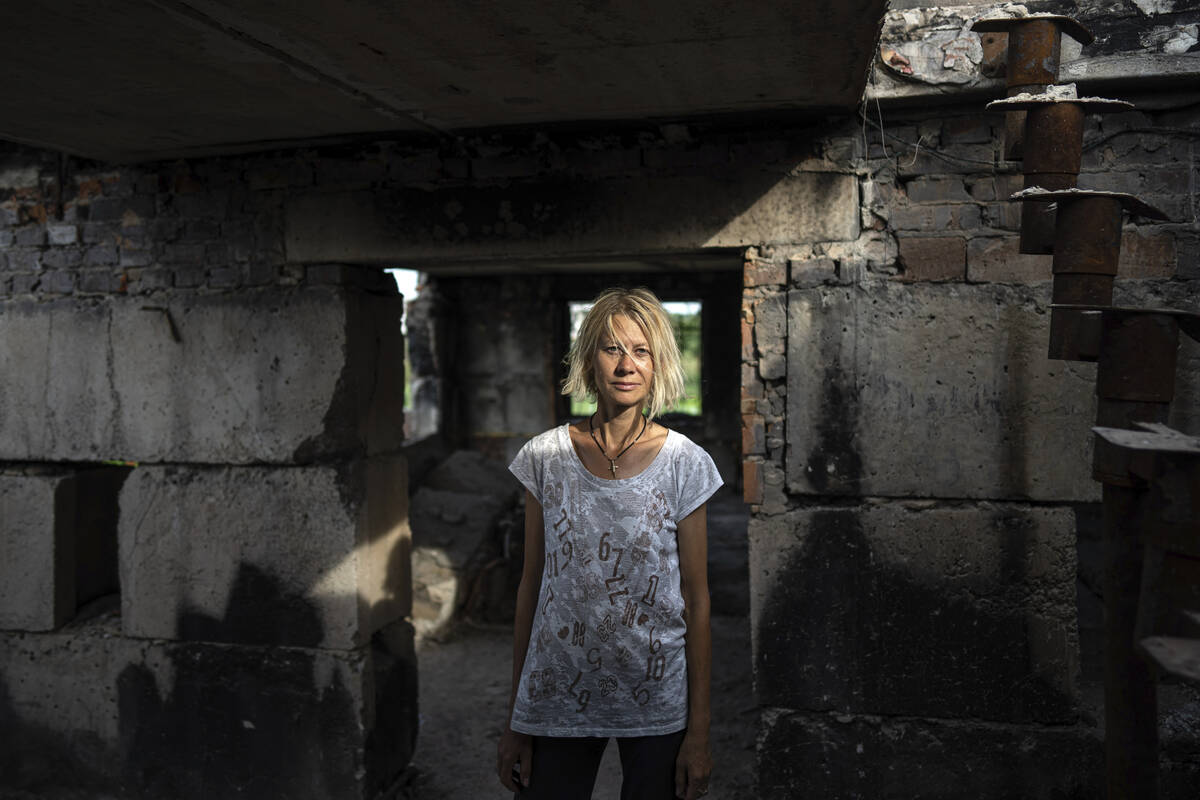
point(1037, 219)
point(1014, 123)
point(1087, 235)
point(1032, 61)
point(1054, 138)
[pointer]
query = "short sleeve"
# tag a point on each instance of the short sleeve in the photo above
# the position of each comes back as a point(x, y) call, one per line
point(697, 478)
point(527, 468)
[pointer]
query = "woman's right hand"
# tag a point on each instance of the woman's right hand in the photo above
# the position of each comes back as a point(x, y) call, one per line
point(514, 755)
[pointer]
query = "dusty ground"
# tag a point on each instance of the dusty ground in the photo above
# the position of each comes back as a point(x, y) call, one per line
point(464, 693)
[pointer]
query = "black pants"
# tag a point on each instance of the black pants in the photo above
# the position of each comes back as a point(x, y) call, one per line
point(565, 768)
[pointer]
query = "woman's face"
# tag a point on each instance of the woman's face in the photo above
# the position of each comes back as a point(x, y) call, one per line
point(624, 368)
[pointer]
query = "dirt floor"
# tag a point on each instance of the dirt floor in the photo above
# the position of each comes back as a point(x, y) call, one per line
point(464, 694)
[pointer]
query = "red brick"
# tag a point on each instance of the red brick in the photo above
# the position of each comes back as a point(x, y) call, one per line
point(752, 488)
point(757, 273)
point(933, 259)
point(753, 435)
point(747, 341)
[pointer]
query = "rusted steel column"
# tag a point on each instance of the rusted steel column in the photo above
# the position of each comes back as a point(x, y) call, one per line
point(1130, 687)
point(1087, 234)
point(1034, 45)
point(1135, 382)
point(1053, 152)
point(1167, 464)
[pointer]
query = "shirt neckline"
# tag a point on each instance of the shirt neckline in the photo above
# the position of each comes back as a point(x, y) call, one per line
point(655, 464)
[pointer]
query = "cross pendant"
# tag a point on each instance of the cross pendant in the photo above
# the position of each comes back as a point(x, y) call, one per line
point(613, 466)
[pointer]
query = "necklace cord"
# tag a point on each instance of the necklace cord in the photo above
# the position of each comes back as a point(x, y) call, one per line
point(612, 462)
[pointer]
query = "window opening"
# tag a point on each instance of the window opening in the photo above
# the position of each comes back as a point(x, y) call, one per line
point(685, 321)
point(421, 410)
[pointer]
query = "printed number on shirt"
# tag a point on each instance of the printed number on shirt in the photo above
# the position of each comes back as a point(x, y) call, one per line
point(583, 696)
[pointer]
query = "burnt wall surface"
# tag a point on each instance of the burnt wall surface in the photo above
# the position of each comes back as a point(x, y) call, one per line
point(925, 588)
point(923, 576)
point(203, 504)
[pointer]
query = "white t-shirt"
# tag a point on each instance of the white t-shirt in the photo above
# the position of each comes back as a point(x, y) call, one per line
point(606, 651)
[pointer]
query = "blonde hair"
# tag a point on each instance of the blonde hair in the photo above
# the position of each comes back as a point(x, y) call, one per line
point(644, 310)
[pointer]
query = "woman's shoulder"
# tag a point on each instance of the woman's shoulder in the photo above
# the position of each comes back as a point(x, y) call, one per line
point(547, 440)
point(684, 452)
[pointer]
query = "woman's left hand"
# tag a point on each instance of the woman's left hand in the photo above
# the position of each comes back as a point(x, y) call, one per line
point(693, 765)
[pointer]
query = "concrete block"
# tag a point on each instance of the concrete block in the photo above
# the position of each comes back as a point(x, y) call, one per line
point(917, 609)
point(62, 234)
point(302, 556)
point(1147, 255)
point(770, 323)
point(126, 717)
point(266, 375)
point(937, 190)
point(927, 390)
point(933, 259)
point(565, 215)
point(808, 272)
point(996, 260)
point(847, 758)
point(37, 557)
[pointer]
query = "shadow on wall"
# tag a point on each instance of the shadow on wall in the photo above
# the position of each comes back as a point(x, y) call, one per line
point(36, 760)
point(260, 721)
point(846, 632)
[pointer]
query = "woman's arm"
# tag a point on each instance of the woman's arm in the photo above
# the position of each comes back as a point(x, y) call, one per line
point(516, 747)
point(694, 763)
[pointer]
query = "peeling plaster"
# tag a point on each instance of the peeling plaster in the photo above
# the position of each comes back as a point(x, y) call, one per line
point(1173, 40)
point(1152, 7)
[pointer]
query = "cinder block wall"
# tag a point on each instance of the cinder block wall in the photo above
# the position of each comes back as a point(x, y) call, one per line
point(924, 537)
point(225, 615)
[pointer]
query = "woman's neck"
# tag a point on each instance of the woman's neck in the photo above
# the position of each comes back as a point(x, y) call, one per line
point(618, 425)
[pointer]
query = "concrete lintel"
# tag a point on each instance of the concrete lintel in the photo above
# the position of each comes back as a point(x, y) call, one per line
point(574, 218)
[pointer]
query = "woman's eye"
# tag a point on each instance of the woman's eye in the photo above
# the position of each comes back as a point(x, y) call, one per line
point(612, 350)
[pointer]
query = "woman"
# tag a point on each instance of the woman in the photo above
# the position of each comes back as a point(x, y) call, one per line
point(612, 637)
